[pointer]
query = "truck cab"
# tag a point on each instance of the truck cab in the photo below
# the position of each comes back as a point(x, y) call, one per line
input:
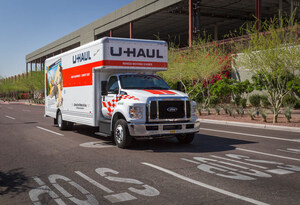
point(141, 105)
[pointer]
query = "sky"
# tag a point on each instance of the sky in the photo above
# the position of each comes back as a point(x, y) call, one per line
point(27, 25)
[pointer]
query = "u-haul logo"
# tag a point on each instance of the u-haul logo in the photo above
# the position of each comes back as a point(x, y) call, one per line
point(85, 56)
point(133, 52)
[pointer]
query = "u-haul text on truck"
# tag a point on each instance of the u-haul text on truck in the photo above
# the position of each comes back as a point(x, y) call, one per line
point(111, 84)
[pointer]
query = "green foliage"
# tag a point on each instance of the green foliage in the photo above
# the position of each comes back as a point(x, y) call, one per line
point(254, 100)
point(288, 113)
point(214, 100)
point(222, 89)
point(265, 101)
point(264, 114)
point(34, 81)
point(194, 67)
point(243, 102)
point(289, 101)
point(273, 57)
point(251, 113)
point(218, 110)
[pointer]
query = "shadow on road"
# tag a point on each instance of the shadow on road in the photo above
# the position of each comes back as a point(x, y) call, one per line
point(13, 182)
point(202, 143)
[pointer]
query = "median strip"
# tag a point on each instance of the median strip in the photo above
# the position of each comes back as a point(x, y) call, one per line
point(49, 131)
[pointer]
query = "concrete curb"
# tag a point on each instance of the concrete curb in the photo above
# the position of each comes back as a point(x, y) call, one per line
point(21, 103)
point(251, 125)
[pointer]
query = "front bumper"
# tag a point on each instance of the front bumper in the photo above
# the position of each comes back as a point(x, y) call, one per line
point(162, 129)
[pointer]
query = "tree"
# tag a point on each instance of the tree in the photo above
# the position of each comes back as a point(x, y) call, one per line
point(273, 56)
point(197, 68)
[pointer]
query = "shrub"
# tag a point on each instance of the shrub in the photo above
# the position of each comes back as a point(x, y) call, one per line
point(251, 113)
point(264, 114)
point(255, 100)
point(214, 100)
point(289, 101)
point(264, 101)
point(243, 102)
point(288, 113)
point(237, 100)
point(218, 109)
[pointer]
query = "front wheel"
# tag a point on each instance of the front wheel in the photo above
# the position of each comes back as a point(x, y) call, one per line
point(185, 138)
point(121, 134)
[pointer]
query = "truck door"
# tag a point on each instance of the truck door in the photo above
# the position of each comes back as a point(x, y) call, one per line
point(110, 100)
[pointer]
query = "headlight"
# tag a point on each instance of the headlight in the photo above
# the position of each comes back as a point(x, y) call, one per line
point(136, 112)
point(194, 109)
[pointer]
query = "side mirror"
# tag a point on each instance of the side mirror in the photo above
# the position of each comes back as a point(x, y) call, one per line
point(104, 88)
point(179, 86)
point(116, 90)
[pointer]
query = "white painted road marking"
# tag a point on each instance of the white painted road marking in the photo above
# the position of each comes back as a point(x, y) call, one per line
point(253, 201)
point(290, 150)
point(26, 110)
point(94, 182)
point(252, 135)
point(115, 198)
point(49, 131)
point(10, 117)
point(267, 154)
point(253, 165)
point(98, 144)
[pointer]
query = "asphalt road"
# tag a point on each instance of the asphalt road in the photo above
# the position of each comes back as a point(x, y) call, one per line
point(39, 164)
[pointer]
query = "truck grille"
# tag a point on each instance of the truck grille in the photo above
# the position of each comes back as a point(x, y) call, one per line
point(164, 110)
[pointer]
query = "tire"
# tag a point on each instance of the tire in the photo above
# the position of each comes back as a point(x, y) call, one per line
point(185, 138)
point(62, 125)
point(70, 125)
point(55, 121)
point(122, 137)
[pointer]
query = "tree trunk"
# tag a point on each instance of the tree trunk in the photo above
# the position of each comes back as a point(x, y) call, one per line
point(275, 116)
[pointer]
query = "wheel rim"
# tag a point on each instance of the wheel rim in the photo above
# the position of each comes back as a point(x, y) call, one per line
point(119, 134)
point(59, 120)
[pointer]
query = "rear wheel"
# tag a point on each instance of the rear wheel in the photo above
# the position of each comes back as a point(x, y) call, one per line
point(61, 123)
point(121, 134)
point(185, 138)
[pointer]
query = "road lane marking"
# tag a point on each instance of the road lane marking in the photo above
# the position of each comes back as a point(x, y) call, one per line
point(10, 108)
point(290, 150)
point(49, 131)
point(94, 182)
point(272, 155)
point(115, 198)
point(252, 135)
point(10, 117)
point(253, 165)
point(97, 144)
point(253, 201)
point(280, 171)
point(26, 110)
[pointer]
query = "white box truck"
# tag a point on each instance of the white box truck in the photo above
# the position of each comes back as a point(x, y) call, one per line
point(110, 84)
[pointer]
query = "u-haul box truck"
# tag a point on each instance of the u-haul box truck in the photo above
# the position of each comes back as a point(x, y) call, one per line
point(111, 84)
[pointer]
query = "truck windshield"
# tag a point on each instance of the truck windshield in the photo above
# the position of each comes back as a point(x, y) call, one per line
point(142, 82)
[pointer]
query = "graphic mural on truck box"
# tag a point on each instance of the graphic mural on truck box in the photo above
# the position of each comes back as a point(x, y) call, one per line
point(54, 84)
